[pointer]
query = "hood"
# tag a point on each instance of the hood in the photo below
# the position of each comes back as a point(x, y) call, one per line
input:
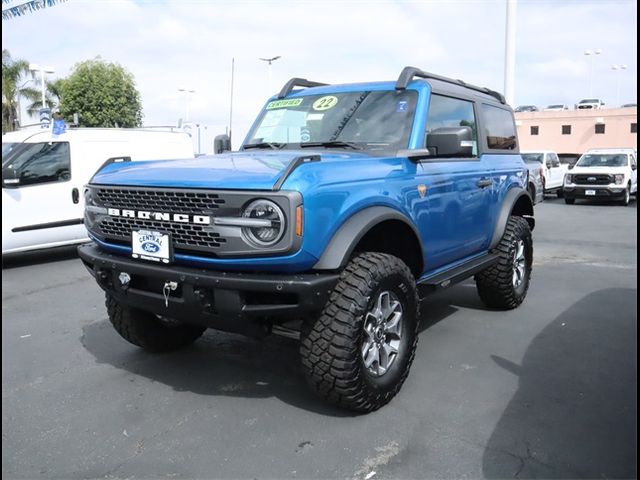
point(597, 170)
point(239, 170)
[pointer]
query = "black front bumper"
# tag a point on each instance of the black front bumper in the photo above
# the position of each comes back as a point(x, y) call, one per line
point(236, 302)
point(601, 192)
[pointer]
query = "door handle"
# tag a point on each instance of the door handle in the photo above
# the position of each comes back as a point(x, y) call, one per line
point(75, 195)
point(484, 182)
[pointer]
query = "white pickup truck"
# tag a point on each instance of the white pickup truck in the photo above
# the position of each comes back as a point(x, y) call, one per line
point(553, 170)
point(603, 174)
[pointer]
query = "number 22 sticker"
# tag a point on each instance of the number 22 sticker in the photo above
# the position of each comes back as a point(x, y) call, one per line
point(325, 103)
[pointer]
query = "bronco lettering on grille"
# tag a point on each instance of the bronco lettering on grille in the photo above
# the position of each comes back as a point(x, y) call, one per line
point(160, 216)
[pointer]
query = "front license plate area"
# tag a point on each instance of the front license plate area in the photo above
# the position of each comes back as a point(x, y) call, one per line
point(152, 246)
point(590, 193)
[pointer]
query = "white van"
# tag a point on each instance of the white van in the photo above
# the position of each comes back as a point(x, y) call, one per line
point(43, 175)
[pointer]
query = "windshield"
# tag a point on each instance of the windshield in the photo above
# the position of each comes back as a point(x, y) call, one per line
point(555, 106)
point(532, 157)
point(6, 148)
point(602, 160)
point(590, 100)
point(362, 120)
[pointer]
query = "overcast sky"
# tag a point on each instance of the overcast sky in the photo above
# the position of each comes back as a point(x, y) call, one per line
point(189, 44)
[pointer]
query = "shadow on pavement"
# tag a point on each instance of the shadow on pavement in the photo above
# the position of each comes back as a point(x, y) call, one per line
point(26, 259)
point(227, 364)
point(574, 414)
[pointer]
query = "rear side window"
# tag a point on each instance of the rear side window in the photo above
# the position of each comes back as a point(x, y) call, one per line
point(499, 127)
point(452, 112)
point(39, 163)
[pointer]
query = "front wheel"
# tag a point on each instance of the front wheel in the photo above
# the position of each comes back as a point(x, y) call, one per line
point(627, 196)
point(505, 284)
point(358, 352)
point(569, 201)
point(148, 331)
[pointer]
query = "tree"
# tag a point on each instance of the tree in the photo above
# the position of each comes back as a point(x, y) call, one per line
point(103, 94)
point(14, 86)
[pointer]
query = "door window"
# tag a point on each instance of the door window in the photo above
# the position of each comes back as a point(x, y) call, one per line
point(37, 163)
point(452, 112)
point(500, 128)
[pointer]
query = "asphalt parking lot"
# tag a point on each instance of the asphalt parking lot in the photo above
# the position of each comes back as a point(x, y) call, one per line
point(547, 390)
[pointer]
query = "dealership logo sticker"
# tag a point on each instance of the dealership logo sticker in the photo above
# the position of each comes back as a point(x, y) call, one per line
point(291, 102)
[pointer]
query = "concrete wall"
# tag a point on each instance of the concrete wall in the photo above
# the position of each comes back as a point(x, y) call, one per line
point(617, 123)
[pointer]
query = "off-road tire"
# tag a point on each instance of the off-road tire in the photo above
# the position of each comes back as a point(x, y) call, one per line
point(560, 193)
point(146, 330)
point(330, 347)
point(495, 284)
point(569, 201)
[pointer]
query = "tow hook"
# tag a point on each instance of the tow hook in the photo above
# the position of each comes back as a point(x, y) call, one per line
point(166, 291)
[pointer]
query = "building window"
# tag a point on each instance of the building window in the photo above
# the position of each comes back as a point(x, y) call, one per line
point(566, 129)
point(634, 128)
point(599, 127)
point(534, 130)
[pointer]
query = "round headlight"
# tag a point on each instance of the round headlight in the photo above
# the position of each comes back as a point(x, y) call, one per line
point(273, 219)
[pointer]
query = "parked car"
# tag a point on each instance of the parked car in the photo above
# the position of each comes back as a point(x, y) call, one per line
point(526, 108)
point(604, 174)
point(535, 185)
point(43, 177)
point(590, 103)
point(553, 170)
point(556, 107)
point(324, 225)
point(629, 105)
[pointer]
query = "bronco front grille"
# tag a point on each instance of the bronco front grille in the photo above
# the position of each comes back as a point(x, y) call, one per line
point(186, 237)
point(173, 201)
point(596, 179)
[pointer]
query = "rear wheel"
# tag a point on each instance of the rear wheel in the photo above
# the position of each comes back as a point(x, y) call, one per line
point(569, 201)
point(358, 352)
point(560, 193)
point(505, 284)
point(147, 330)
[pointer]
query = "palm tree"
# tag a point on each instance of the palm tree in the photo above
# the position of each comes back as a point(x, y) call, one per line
point(14, 86)
point(52, 95)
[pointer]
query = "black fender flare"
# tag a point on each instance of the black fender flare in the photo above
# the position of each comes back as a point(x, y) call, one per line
point(512, 197)
point(339, 249)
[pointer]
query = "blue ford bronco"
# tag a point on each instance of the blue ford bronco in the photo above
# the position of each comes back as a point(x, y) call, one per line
point(343, 206)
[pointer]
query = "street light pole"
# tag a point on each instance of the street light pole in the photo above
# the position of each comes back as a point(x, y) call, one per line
point(269, 61)
point(620, 68)
point(591, 54)
point(34, 67)
point(510, 51)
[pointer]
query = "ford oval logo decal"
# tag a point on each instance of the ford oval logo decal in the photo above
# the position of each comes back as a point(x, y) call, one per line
point(150, 247)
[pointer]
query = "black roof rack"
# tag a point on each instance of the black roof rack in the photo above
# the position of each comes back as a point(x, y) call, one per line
point(408, 73)
point(297, 82)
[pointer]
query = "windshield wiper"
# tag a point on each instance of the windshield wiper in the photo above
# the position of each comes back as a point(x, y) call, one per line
point(332, 144)
point(272, 145)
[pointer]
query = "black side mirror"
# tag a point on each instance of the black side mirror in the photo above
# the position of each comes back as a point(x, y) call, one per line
point(634, 167)
point(570, 166)
point(451, 142)
point(10, 178)
point(221, 143)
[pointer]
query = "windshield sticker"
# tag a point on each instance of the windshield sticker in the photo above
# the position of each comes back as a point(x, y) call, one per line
point(315, 116)
point(290, 102)
point(325, 103)
point(402, 106)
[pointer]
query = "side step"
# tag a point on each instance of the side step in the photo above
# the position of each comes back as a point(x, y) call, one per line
point(459, 273)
